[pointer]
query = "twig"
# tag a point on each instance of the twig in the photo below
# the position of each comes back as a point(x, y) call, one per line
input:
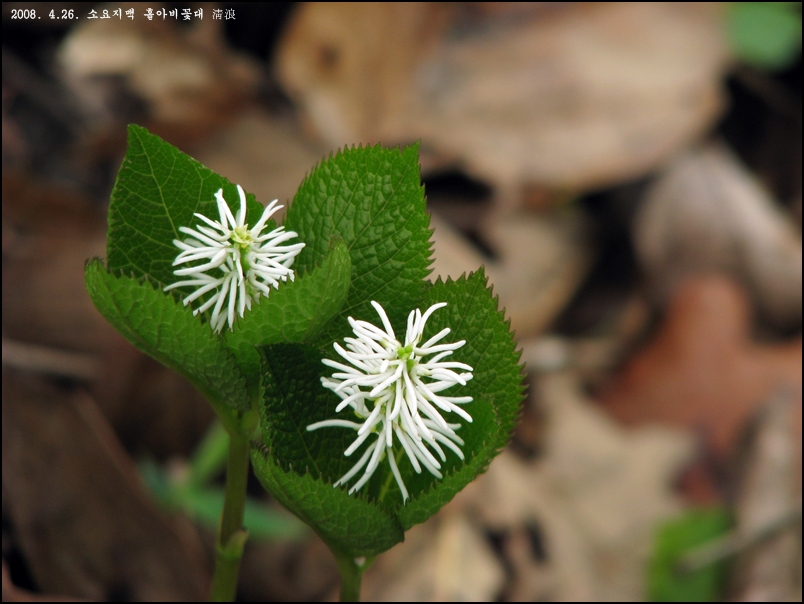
point(735, 542)
point(76, 365)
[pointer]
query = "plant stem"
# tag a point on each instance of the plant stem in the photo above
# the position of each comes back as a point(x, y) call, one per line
point(351, 575)
point(231, 535)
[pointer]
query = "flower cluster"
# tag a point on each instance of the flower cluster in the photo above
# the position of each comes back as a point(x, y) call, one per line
point(395, 392)
point(239, 262)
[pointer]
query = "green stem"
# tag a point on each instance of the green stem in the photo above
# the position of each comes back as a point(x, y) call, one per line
point(351, 575)
point(231, 534)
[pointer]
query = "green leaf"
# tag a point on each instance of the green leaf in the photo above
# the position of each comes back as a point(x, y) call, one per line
point(497, 389)
point(766, 34)
point(158, 189)
point(677, 537)
point(295, 312)
point(347, 524)
point(372, 197)
point(161, 327)
point(301, 476)
point(292, 398)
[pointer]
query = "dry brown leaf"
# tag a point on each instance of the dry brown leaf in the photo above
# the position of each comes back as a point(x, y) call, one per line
point(595, 357)
point(702, 371)
point(769, 490)
point(12, 593)
point(50, 361)
point(78, 508)
point(276, 571)
point(616, 484)
point(574, 97)
point(188, 77)
point(348, 62)
point(596, 493)
point(153, 409)
point(706, 213)
point(47, 237)
point(532, 579)
point(266, 155)
point(540, 263)
point(445, 559)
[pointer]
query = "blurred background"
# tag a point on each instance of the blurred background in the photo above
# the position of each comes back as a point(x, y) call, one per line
point(628, 173)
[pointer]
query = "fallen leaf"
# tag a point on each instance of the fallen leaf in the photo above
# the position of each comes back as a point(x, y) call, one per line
point(265, 154)
point(579, 96)
point(596, 492)
point(706, 213)
point(539, 263)
point(47, 237)
point(769, 490)
point(53, 327)
point(189, 79)
point(84, 522)
point(445, 559)
point(701, 371)
point(532, 579)
point(281, 571)
point(12, 593)
point(154, 410)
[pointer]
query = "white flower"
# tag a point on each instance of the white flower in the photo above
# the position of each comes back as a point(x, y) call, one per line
point(395, 392)
point(240, 263)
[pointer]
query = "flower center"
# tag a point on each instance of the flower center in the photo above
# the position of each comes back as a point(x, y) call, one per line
point(241, 236)
point(404, 355)
point(242, 240)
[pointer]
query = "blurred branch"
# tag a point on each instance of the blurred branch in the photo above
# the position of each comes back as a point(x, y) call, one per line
point(736, 541)
point(43, 359)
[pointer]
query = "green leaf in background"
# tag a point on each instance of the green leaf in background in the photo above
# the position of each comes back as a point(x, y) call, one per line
point(292, 398)
point(204, 504)
point(373, 198)
point(209, 458)
point(263, 521)
point(158, 189)
point(766, 34)
point(675, 538)
point(293, 313)
point(161, 327)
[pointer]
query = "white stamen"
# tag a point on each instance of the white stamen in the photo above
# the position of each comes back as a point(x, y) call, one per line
point(245, 263)
point(384, 385)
